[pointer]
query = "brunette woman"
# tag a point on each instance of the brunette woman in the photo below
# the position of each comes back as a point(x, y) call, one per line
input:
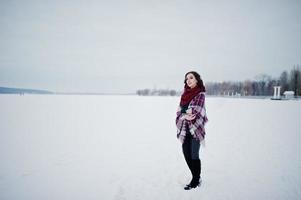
point(190, 121)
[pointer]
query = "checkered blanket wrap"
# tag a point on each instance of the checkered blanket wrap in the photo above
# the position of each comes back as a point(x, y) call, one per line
point(197, 126)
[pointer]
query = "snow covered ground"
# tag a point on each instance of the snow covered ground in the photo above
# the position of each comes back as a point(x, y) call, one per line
point(60, 147)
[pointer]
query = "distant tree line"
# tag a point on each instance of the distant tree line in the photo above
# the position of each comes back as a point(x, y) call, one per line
point(263, 85)
point(157, 92)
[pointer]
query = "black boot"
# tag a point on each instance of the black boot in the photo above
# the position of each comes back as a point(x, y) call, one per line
point(190, 165)
point(196, 171)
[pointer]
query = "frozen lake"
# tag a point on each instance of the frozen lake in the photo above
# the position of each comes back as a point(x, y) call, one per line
point(60, 147)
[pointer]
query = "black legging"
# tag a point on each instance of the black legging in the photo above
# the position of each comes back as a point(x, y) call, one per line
point(191, 148)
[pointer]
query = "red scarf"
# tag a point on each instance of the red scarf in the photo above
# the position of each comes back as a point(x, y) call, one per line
point(188, 94)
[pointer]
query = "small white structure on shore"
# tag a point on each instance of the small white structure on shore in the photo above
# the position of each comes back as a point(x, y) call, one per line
point(289, 94)
point(276, 93)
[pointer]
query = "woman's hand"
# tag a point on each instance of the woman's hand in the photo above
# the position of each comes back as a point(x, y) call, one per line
point(189, 116)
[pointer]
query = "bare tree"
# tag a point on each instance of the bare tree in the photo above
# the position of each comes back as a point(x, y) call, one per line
point(262, 80)
point(283, 81)
point(295, 80)
point(247, 87)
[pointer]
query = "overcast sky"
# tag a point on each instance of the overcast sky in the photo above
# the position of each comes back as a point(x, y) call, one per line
point(122, 46)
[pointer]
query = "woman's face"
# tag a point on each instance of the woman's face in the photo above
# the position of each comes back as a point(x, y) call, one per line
point(191, 81)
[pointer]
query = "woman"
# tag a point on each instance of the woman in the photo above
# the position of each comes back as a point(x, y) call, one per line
point(190, 121)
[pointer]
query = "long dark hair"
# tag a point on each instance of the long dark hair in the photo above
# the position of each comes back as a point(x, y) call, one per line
point(198, 78)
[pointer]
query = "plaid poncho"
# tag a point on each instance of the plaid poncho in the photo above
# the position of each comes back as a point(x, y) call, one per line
point(197, 126)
